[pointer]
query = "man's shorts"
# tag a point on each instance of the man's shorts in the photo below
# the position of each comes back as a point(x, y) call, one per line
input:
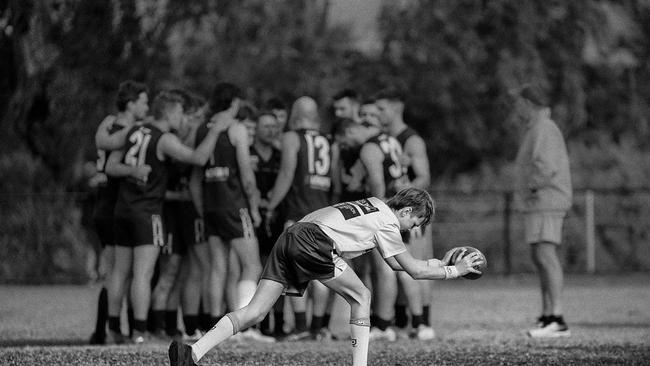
point(184, 227)
point(543, 227)
point(229, 224)
point(267, 233)
point(104, 229)
point(139, 229)
point(302, 253)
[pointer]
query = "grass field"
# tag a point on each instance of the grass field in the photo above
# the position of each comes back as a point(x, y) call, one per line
point(477, 323)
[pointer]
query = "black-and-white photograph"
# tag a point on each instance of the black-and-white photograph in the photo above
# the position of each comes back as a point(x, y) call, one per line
point(324, 182)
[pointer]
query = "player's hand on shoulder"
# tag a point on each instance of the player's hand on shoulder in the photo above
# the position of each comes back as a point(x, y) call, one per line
point(220, 124)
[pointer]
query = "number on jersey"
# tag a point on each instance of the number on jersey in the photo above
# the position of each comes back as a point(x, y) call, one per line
point(318, 154)
point(138, 151)
point(392, 147)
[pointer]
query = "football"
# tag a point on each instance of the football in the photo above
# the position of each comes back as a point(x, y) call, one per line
point(482, 267)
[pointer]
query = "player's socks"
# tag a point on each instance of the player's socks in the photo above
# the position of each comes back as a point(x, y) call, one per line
point(214, 320)
point(102, 315)
point(219, 333)
point(416, 320)
point(278, 317)
point(425, 315)
point(373, 320)
point(205, 322)
point(130, 319)
point(157, 320)
point(326, 320)
point(171, 322)
point(317, 322)
point(360, 333)
point(246, 290)
point(301, 321)
point(140, 325)
point(401, 319)
point(114, 324)
point(265, 325)
point(381, 324)
point(191, 323)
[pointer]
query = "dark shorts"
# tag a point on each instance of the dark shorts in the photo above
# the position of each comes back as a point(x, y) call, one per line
point(104, 229)
point(267, 234)
point(229, 224)
point(184, 227)
point(302, 253)
point(139, 229)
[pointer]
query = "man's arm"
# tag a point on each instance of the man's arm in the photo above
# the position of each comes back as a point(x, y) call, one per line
point(115, 168)
point(104, 140)
point(196, 189)
point(290, 147)
point(433, 269)
point(372, 158)
point(547, 152)
point(239, 136)
point(171, 146)
point(416, 149)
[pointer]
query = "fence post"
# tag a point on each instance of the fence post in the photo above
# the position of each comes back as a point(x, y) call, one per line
point(590, 232)
point(507, 240)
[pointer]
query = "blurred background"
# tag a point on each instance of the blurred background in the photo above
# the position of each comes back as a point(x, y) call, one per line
point(61, 62)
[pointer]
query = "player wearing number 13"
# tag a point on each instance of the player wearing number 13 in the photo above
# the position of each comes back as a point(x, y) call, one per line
point(139, 232)
point(313, 249)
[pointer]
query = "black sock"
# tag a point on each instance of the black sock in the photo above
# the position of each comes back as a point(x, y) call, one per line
point(278, 317)
point(204, 322)
point(102, 314)
point(416, 320)
point(140, 325)
point(380, 323)
point(373, 320)
point(114, 324)
point(171, 322)
point(301, 321)
point(425, 315)
point(191, 323)
point(156, 320)
point(265, 324)
point(130, 319)
point(214, 320)
point(556, 318)
point(316, 323)
point(326, 320)
point(401, 319)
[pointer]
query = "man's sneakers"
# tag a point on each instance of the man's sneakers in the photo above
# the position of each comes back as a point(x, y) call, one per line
point(298, 336)
point(387, 335)
point(425, 332)
point(550, 326)
point(180, 354)
point(255, 335)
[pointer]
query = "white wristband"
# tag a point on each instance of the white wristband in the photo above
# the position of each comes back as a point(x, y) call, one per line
point(451, 272)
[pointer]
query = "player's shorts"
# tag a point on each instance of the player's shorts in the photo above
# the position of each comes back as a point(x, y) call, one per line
point(543, 227)
point(229, 224)
point(267, 234)
point(184, 227)
point(139, 229)
point(302, 253)
point(104, 229)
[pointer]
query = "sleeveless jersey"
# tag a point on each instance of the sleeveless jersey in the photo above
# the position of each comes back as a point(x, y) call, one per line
point(393, 170)
point(136, 197)
point(265, 170)
point(310, 189)
point(352, 175)
point(357, 227)
point(402, 138)
point(107, 190)
point(222, 186)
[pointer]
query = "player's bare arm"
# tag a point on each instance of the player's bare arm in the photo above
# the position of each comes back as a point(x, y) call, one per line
point(239, 136)
point(105, 140)
point(433, 269)
point(115, 167)
point(416, 149)
point(290, 146)
point(170, 145)
point(196, 189)
point(372, 158)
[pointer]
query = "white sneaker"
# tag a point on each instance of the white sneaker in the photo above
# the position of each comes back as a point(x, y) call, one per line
point(387, 335)
point(254, 334)
point(425, 333)
point(550, 330)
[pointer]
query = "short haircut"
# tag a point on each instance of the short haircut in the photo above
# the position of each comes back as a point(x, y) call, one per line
point(246, 112)
point(266, 112)
point(418, 199)
point(346, 93)
point(343, 124)
point(275, 103)
point(392, 94)
point(368, 101)
point(129, 91)
point(164, 102)
point(534, 93)
point(222, 96)
point(186, 98)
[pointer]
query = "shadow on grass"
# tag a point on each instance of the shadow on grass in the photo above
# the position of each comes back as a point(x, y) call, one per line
point(611, 325)
point(43, 342)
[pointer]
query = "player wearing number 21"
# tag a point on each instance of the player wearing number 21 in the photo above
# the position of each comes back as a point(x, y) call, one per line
point(314, 248)
point(139, 232)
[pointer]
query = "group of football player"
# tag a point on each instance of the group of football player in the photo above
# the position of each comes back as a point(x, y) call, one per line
point(193, 193)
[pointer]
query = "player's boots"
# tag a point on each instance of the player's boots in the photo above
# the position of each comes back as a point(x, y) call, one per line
point(180, 354)
point(555, 327)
